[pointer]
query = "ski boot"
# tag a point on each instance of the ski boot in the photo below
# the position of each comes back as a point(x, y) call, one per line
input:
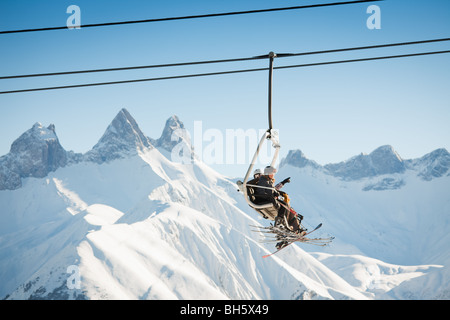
point(301, 232)
point(281, 245)
point(281, 223)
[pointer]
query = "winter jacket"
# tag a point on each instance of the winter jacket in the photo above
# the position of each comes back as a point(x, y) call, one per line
point(266, 182)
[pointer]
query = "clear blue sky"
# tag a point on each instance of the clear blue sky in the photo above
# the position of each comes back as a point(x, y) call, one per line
point(329, 112)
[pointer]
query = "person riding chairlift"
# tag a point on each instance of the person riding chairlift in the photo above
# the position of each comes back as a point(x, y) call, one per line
point(256, 175)
point(286, 215)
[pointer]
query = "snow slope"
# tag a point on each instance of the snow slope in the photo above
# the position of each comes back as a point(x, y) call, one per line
point(390, 242)
point(143, 227)
point(125, 222)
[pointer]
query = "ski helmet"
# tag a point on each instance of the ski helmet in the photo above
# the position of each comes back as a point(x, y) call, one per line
point(269, 170)
point(257, 171)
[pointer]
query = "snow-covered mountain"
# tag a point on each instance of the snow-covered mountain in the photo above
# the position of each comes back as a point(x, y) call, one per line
point(122, 138)
point(123, 221)
point(393, 210)
point(34, 154)
point(382, 161)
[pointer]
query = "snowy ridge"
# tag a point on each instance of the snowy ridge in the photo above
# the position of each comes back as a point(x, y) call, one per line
point(132, 224)
point(405, 228)
point(382, 162)
point(197, 245)
point(432, 165)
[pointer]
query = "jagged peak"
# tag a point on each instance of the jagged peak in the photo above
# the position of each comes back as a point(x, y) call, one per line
point(122, 121)
point(382, 160)
point(51, 127)
point(174, 118)
point(432, 165)
point(123, 128)
point(34, 154)
point(124, 114)
point(386, 150)
point(298, 159)
point(36, 135)
point(172, 124)
point(37, 125)
point(173, 133)
point(122, 136)
point(441, 152)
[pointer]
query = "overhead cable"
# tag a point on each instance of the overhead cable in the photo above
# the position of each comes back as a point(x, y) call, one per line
point(224, 72)
point(179, 64)
point(210, 15)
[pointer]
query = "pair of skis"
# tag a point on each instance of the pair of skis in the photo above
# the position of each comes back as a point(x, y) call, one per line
point(290, 238)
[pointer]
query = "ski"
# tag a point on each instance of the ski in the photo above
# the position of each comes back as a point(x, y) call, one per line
point(282, 234)
point(270, 254)
point(276, 230)
point(316, 241)
point(306, 240)
point(299, 239)
point(318, 226)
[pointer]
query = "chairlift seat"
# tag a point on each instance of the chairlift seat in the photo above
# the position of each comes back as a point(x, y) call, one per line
point(266, 210)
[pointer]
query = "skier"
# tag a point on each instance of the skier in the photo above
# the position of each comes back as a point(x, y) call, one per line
point(282, 193)
point(266, 193)
point(256, 176)
point(285, 198)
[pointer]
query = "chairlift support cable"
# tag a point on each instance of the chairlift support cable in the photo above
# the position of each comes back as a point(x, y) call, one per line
point(271, 57)
point(179, 64)
point(223, 72)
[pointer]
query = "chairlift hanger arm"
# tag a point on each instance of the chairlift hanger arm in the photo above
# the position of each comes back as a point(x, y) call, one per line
point(271, 57)
point(270, 134)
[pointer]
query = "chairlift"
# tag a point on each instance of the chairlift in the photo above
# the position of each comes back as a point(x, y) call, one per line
point(266, 210)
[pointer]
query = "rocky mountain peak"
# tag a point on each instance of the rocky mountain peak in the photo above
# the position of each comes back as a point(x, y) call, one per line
point(383, 160)
point(176, 140)
point(297, 158)
point(38, 134)
point(34, 154)
point(173, 133)
point(432, 165)
point(123, 136)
